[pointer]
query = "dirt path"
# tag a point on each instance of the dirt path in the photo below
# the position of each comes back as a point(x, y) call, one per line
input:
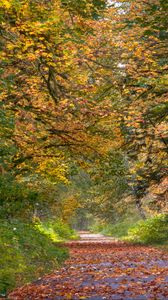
point(101, 268)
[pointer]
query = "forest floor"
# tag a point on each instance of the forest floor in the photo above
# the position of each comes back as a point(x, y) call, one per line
point(103, 268)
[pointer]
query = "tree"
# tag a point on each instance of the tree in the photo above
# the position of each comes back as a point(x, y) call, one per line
point(44, 81)
point(133, 69)
point(45, 88)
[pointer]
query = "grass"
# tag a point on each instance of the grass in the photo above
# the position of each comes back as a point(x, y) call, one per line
point(28, 251)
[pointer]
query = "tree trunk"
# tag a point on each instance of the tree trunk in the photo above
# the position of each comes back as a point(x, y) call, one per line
point(140, 209)
point(2, 171)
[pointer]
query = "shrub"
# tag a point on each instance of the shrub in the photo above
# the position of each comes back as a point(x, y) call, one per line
point(117, 230)
point(63, 229)
point(16, 199)
point(26, 254)
point(153, 230)
point(97, 227)
point(57, 231)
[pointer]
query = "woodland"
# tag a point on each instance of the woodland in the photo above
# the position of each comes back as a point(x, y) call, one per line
point(83, 129)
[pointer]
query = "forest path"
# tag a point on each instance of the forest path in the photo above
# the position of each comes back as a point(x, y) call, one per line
point(102, 268)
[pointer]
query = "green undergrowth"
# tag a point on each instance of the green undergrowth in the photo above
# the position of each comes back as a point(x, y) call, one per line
point(118, 230)
point(152, 231)
point(57, 231)
point(27, 252)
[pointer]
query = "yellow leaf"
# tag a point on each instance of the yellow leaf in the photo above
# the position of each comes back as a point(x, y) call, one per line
point(5, 3)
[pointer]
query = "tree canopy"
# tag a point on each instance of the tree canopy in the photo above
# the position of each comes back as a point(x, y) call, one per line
point(83, 91)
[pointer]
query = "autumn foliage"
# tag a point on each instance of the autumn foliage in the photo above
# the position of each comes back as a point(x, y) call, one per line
point(83, 111)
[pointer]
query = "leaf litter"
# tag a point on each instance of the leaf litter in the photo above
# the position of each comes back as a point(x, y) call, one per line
point(98, 270)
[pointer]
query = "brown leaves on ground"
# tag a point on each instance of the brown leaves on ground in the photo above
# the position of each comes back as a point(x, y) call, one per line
point(103, 269)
